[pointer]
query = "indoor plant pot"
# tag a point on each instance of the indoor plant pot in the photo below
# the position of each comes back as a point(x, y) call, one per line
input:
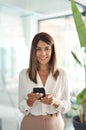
point(77, 124)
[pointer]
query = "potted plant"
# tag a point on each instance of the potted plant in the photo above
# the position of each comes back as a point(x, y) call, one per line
point(79, 121)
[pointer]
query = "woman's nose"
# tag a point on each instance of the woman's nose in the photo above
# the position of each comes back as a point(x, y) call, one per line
point(43, 52)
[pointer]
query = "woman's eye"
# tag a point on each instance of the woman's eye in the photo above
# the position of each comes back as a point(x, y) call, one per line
point(46, 49)
point(38, 49)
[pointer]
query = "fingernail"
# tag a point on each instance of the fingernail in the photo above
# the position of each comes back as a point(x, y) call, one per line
point(41, 94)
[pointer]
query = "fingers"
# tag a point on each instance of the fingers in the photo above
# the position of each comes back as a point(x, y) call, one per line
point(48, 99)
point(49, 96)
point(34, 96)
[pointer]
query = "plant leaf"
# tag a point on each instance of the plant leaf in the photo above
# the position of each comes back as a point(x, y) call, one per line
point(80, 25)
point(75, 57)
point(81, 96)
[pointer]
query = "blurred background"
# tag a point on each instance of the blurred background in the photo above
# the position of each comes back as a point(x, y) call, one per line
point(20, 20)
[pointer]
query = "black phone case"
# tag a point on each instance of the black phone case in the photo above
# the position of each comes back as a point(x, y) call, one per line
point(39, 90)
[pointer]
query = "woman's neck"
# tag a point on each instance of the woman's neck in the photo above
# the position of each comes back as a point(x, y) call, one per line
point(43, 68)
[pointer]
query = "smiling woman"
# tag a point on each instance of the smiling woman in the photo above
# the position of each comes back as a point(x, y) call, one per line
point(43, 53)
point(44, 112)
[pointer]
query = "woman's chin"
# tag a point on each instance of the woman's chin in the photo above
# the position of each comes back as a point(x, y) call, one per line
point(43, 62)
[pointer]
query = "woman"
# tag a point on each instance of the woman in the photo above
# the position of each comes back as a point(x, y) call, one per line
point(43, 113)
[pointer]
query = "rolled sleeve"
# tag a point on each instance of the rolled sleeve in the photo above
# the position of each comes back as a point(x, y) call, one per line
point(24, 108)
point(63, 107)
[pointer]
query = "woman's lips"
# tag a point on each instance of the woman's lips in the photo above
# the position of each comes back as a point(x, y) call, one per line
point(43, 58)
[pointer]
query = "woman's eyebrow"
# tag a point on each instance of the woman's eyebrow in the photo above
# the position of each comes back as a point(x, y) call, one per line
point(44, 47)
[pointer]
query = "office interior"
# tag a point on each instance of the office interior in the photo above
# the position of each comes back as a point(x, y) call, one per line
point(20, 20)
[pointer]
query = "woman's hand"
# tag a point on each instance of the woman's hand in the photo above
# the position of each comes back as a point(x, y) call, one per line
point(50, 100)
point(32, 97)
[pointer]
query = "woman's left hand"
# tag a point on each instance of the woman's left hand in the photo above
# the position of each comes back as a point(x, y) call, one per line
point(48, 99)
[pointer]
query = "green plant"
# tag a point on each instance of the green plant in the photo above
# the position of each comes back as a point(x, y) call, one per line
point(81, 30)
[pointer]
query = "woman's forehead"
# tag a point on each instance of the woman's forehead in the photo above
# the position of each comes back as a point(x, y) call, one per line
point(43, 44)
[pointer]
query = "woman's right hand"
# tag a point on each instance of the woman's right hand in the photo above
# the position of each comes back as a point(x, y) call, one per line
point(32, 97)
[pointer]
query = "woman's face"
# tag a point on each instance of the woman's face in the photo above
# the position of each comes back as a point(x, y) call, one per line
point(43, 53)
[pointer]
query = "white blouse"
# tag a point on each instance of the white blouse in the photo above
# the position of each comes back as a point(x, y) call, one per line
point(59, 89)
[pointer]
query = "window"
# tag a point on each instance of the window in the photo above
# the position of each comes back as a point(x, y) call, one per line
point(13, 58)
point(66, 40)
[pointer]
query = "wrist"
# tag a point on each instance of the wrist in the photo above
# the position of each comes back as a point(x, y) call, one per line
point(29, 103)
point(56, 103)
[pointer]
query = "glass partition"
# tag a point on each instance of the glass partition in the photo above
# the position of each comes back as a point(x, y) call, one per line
point(13, 58)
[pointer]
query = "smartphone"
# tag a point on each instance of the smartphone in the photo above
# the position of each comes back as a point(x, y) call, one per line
point(39, 90)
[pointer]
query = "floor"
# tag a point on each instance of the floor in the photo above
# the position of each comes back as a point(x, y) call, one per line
point(68, 123)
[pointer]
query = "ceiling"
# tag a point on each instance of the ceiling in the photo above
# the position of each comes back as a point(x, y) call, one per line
point(38, 7)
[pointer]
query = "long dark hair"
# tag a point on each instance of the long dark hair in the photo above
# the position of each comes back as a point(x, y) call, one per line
point(33, 64)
